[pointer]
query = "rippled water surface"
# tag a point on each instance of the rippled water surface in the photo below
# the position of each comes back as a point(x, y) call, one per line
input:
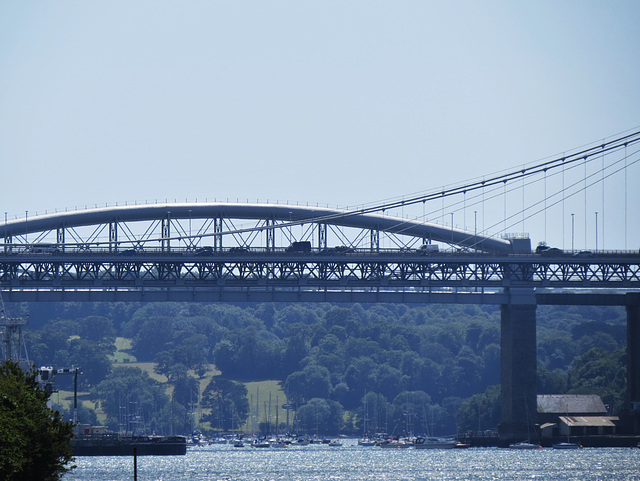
point(353, 463)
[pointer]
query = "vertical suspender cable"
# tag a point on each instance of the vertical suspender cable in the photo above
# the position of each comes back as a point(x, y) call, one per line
point(602, 222)
point(585, 203)
point(563, 197)
point(523, 203)
point(625, 196)
point(504, 197)
point(464, 209)
point(545, 204)
point(483, 207)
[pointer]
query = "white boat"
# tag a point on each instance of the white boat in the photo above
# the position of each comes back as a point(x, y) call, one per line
point(524, 445)
point(434, 443)
point(260, 444)
point(366, 442)
point(335, 443)
point(395, 443)
point(565, 446)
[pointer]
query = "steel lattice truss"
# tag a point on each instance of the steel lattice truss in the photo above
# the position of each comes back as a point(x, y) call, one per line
point(282, 270)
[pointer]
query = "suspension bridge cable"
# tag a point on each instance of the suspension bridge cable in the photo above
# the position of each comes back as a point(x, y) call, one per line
point(578, 182)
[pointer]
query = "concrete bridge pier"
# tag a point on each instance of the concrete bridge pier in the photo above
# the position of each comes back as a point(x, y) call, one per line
point(518, 364)
point(633, 363)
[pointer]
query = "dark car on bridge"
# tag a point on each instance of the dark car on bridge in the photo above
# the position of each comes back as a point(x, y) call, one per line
point(546, 250)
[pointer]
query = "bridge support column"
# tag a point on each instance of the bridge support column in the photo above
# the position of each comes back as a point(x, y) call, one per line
point(322, 236)
point(113, 236)
point(60, 238)
point(518, 364)
point(166, 233)
point(633, 363)
point(271, 236)
point(217, 231)
point(375, 240)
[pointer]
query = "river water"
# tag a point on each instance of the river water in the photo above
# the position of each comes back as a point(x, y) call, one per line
point(351, 462)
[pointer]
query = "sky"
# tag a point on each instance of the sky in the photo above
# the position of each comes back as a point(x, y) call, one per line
point(335, 102)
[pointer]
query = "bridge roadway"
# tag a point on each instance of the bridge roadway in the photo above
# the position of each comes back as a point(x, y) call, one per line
point(516, 282)
point(261, 275)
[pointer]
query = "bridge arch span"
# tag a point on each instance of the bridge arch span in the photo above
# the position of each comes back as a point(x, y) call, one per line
point(265, 216)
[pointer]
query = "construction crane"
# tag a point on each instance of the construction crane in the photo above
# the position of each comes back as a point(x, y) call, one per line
point(46, 377)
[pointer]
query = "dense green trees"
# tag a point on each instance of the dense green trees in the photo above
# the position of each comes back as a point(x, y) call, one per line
point(320, 416)
point(601, 372)
point(481, 411)
point(447, 354)
point(35, 443)
point(227, 403)
point(133, 401)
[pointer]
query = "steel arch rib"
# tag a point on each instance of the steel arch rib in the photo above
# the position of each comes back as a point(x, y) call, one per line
point(280, 212)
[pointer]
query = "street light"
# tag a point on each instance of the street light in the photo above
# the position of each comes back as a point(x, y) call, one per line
point(572, 231)
point(596, 231)
point(475, 222)
point(452, 227)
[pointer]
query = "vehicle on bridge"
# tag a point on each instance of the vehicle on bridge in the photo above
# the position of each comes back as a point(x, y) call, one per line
point(299, 246)
point(428, 249)
point(546, 250)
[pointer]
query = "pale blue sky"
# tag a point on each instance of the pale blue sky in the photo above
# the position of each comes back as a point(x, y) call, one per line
point(338, 102)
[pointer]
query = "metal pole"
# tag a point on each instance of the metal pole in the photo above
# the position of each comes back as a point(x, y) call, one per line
point(75, 396)
point(475, 222)
point(596, 231)
point(452, 227)
point(572, 231)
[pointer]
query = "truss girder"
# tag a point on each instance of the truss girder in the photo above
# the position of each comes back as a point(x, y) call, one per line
point(312, 271)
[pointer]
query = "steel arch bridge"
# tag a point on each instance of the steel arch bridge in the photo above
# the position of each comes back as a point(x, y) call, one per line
point(271, 252)
point(170, 224)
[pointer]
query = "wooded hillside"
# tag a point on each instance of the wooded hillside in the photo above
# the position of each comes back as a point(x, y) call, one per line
point(428, 368)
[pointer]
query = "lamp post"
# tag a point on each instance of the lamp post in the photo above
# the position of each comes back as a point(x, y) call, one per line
point(452, 227)
point(475, 222)
point(596, 231)
point(572, 231)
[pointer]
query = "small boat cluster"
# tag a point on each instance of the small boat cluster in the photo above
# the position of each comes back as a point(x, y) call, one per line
point(379, 440)
point(253, 441)
point(419, 442)
point(530, 445)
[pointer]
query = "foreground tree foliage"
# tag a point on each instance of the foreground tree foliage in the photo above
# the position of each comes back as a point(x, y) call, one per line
point(35, 443)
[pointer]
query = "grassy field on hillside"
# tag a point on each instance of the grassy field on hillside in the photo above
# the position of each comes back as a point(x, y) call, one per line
point(123, 351)
point(266, 398)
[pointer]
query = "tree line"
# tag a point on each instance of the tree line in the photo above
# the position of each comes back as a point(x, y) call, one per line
point(343, 368)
